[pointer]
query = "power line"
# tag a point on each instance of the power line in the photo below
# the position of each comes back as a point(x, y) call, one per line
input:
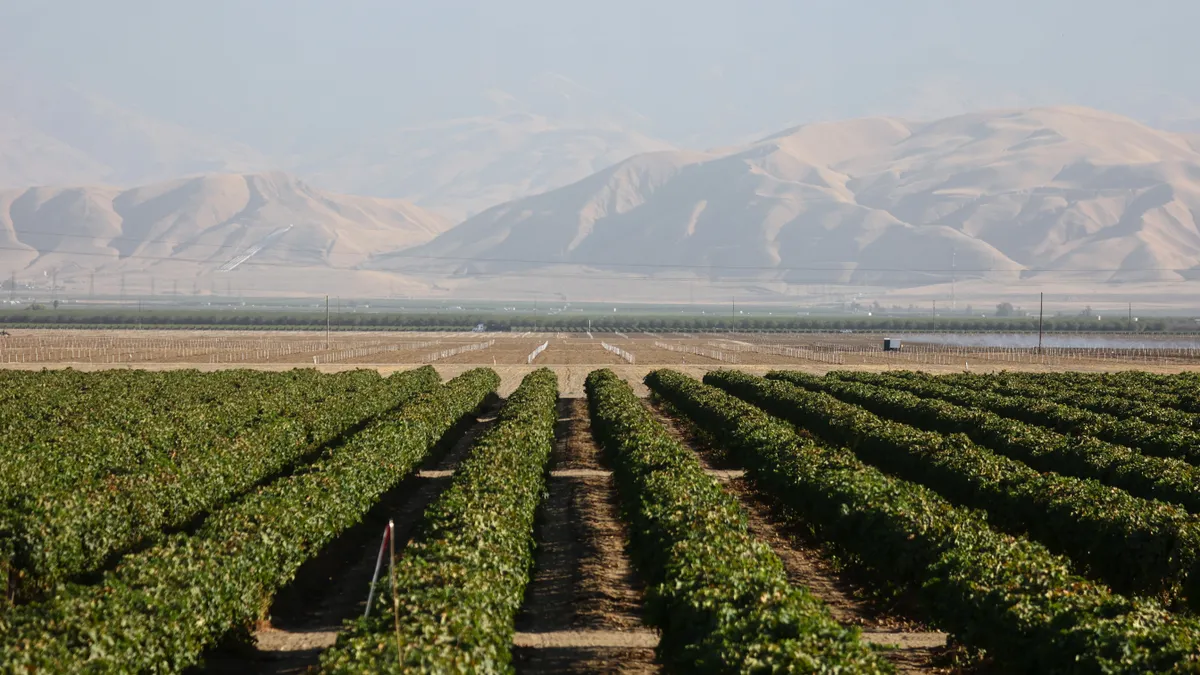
point(847, 267)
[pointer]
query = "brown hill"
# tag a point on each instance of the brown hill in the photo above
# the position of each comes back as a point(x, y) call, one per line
point(1048, 194)
point(264, 232)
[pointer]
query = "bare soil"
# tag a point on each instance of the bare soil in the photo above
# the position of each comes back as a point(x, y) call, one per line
point(583, 607)
point(307, 615)
point(913, 647)
point(572, 355)
point(577, 351)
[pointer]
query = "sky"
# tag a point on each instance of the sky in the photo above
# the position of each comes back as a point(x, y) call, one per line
point(695, 72)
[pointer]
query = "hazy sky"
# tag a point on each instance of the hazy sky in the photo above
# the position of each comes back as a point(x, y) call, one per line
point(700, 71)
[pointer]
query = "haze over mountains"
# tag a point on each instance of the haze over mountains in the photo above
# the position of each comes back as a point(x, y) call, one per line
point(591, 206)
point(557, 133)
point(461, 167)
point(54, 134)
point(1003, 196)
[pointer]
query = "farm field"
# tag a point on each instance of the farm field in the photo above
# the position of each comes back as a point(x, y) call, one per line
point(572, 355)
point(707, 517)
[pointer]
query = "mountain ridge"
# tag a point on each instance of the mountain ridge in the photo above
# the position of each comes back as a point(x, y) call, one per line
point(1005, 194)
point(188, 229)
point(999, 199)
point(54, 134)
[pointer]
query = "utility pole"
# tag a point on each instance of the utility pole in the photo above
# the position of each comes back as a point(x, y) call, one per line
point(1130, 317)
point(953, 278)
point(935, 314)
point(1041, 313)
point(92, 285)
point(54, 287)
point(326, 322)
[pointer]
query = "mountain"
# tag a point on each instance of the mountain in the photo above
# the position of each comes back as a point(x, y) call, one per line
point(289, 236)
point(1052, 198)
point(550, 133)
point(461, 167)
point(1000, 197)
point(58, 135)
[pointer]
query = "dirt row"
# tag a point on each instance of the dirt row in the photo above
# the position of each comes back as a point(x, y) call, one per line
point(306, 616)
point(914, 647)
point(583, 584)
point(582, 612)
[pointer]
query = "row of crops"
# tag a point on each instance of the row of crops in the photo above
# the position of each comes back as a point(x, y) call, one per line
point(156, 460)
point(178, 591)
point(1048, 522)
point(994, 589)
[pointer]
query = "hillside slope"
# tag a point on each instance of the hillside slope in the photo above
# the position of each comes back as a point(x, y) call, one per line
point(185, 231)
point(1062, 193)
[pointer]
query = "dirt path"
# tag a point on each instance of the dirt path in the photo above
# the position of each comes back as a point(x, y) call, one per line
point(307, 615)
point(915, 648)
point(576, 351)
point(583, 607)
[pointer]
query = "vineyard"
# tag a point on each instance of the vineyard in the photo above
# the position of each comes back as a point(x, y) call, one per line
point(238, 520)
point(24, 348)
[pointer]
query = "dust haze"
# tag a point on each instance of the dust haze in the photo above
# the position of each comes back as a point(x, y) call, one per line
point(789, 154)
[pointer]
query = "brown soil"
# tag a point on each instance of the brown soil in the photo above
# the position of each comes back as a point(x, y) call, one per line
point(576, 351)
point(214, 350)
point(582, 610)
point(508, 351)
point(914, 647)
point(645, 352)
point(306, 616)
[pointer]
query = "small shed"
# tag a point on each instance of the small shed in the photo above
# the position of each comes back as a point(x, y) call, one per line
point(891, 344)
